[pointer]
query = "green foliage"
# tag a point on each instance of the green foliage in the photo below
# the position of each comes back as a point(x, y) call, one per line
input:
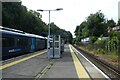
point(70, 37)
point(92, 39)
point(113, 41)
point(54, 28)
point(12, 13)
point(16, 16)
point(100, 42)
point(76, 31)
point(77, 39)
point(118, 22)
point(111, 23)
point(81, 31)
point(96, 25)
point(85, 32)
point(100, 51)
point(74, 40)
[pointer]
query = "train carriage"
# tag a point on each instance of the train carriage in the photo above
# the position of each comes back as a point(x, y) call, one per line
point(15, 42)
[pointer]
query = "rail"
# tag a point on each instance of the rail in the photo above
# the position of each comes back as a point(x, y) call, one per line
point(115, 71)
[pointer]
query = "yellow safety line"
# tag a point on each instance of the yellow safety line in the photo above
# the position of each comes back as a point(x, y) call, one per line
point(21, 60)
point(81, 72)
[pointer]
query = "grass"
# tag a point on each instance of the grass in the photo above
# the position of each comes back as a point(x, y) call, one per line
point(110, 57)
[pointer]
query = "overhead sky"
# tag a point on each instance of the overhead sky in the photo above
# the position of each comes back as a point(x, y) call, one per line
point(74, 11)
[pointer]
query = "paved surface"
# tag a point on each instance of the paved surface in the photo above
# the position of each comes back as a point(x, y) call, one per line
point(65, 67)
point(26, 69)
point(93, 71)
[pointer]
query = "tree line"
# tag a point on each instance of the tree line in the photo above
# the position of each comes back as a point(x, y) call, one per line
point(17, 16)
point(94, 26)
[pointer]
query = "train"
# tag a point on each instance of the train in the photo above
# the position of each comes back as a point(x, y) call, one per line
point(16, 42)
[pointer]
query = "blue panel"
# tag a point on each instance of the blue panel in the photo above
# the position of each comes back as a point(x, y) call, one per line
point(33, 44)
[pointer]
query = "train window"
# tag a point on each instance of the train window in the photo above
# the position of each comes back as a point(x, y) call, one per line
point(29, 42)
point(38, 41)
point(22, 42)
point(8, 42)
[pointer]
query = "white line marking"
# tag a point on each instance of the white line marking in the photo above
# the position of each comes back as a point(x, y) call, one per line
point(92, 64)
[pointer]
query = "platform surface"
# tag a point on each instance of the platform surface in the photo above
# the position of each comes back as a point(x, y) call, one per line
point(65, 67)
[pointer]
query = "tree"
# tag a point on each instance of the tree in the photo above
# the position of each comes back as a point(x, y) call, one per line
point(16, 16)
point(96, 23)
point(81, 31)
point(11, 14)
point(94, 26)
point(76, 30)
point(111, 23)
point(118, 22)
point(54, 28)
point(84, 29)
point(70, 37)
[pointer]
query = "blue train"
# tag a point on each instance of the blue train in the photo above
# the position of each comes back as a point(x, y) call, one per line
point(16, 42)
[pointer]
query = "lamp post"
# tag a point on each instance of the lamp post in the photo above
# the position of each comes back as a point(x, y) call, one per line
point(58, 9)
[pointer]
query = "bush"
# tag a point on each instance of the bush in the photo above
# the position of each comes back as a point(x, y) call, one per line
point(100, 51)
point(93, 39)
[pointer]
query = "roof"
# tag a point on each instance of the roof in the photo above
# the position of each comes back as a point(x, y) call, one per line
point(18, 33)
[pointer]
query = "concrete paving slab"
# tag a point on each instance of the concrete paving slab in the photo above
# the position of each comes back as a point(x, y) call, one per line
point(29, 68)
point(92, 71)
point(62, 68)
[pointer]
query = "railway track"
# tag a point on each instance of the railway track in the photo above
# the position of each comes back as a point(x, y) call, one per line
point(108, 69)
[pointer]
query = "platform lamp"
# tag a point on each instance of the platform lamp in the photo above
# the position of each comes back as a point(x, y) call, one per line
point(58, 9)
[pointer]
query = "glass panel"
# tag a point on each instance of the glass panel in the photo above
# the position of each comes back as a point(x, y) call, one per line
point(7, 42)
point(56, 44)
point(38, 41)
point(51, 44)
point(22, 42)
point(56, 38)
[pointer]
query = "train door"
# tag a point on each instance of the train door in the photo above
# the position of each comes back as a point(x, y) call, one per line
point(32, 44)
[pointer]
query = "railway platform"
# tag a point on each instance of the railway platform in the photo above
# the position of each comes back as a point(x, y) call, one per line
point(36, 66)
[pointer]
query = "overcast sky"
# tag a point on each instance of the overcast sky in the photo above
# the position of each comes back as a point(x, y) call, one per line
point(74, 11)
